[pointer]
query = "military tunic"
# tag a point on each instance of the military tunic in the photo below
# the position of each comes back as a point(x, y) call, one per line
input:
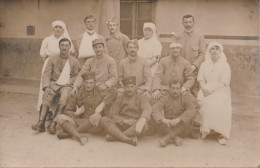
point(117, 46)
point(105, 69)
point(138, 68)
point(52, 73)
point(168, 69)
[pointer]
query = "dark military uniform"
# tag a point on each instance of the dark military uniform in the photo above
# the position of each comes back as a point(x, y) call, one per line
point(183, 107)
point(90, 101)
point(132, 109)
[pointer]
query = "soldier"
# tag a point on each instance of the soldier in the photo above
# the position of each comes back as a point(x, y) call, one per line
point(84, 41)
point(130, 114)
point(133, 65)
point(102, 64)
point(172, 67)
point(194, 47)
point(58, 78)
point(116, 41)
point(80, 115)
point(177, 118)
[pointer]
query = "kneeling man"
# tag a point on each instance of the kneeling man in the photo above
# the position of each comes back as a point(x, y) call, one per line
point(179, 112)
point(130, 114)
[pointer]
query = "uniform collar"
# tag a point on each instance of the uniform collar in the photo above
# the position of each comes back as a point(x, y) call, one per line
point(115, 36)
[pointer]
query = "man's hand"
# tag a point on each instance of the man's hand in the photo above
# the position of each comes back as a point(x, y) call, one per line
point(49, 91)
point(79, 110)
point(156, 94)
point(166, 121)
point(206, 92)
point(121, 83)
point(147, 94)
point(94, 119)
point(183, 89)
point(100, 107)
point(74, 91)
point(140, 125)
point(193, 67)
point(101, 86)
point(174, 122)
point(139, 91)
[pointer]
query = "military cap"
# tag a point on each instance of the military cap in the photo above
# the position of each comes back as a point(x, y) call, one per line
point(88, 75)
point(98, 41)
point(113, 19)
point(129, 80)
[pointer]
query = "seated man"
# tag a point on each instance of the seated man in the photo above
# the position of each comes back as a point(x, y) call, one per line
point(80, 116)
point(133, 65)
point(172, 67)
point(179, 112)
point(102, 64)
point(130, 113)
point(58, 78)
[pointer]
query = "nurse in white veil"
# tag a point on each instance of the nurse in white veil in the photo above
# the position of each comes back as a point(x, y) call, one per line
point(149, 46)
point(214, 96)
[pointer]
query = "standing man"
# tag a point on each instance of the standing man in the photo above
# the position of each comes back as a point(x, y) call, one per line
point(174, 114)
point(130, 114)
point(116, 41)
point(172, 67)
point(84, 42)
point(58, 78)
point(133, 65)
point(194, 46)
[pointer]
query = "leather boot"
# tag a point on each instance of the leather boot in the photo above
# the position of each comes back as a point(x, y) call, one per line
point(40, 126)
point(52, 125)
point(165, 140)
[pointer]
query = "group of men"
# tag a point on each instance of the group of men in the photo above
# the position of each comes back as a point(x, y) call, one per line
point(109, 90)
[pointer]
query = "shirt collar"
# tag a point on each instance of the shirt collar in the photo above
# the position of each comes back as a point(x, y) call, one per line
point(132, 60)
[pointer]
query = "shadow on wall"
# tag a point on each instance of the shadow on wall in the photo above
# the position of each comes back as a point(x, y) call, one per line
point(244, 64)
point(21, 58)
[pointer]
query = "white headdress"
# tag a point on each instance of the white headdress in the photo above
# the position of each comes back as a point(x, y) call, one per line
point(65, 34)
point(222, 58)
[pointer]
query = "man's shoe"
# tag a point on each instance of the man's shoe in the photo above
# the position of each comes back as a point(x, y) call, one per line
point(52, 127)
point(38, 127)
point(177, 141)
point(165, 141)
point(110, 138)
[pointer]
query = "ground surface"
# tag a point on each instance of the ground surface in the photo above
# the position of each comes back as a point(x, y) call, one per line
point(22, 147)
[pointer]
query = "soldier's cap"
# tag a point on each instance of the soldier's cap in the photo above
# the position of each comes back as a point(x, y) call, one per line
point(88, 75)
point(174, 44)
point(113, 19)
point(98, 41)
point(129, 80)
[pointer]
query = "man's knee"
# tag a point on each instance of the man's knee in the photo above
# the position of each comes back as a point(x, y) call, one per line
point(61, 118)
point(105, 121)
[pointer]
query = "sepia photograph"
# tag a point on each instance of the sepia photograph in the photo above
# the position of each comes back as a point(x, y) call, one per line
point(129, 83)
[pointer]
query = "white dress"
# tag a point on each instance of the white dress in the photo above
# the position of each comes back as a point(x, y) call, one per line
point(149, 49)
point(215, 109)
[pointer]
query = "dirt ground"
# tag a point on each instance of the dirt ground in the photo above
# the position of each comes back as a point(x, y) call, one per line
point(22, 147)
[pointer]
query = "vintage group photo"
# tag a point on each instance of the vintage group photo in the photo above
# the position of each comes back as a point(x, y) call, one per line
point(129, 83)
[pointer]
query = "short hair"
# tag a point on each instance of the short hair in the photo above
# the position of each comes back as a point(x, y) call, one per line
point(135, 42)
point(64, 39)
point(174, 81)
point(187, 16)
point(88, 17)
